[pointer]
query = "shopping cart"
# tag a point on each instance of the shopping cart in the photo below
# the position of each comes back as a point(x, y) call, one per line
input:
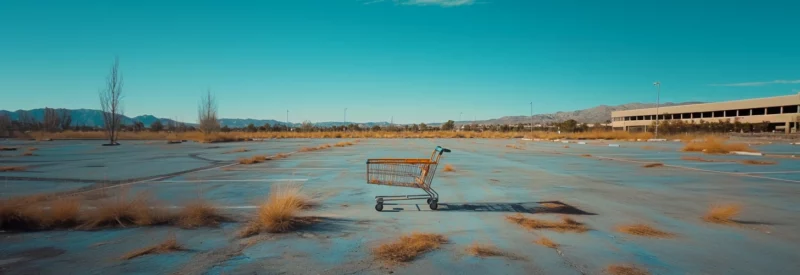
point(417, 173)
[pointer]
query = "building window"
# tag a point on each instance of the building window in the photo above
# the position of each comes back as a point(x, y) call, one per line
point(686, 116)
point(707, 114)
point(758, 112)
point(774, 110)
point(719, 113)
point(744, 112)
point(730, 113)
point(627, 118)
point(791, 109)
point(695, 115)
point(640, 118)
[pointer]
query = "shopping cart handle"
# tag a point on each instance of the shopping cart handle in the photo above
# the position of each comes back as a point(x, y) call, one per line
point(442, 150)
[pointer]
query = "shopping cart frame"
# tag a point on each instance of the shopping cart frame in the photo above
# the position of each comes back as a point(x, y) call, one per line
point(415, 173)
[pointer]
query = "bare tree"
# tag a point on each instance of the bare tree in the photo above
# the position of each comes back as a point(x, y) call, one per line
point(207, 114)
point(64, 119)
point(50, 121)
point(5, 125)
point(110, 103)
point(27, 121)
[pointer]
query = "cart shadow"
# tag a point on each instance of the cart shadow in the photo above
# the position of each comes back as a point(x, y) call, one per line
point(541, 207)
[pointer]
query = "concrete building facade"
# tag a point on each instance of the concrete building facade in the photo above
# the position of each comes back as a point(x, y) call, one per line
point(782, 113)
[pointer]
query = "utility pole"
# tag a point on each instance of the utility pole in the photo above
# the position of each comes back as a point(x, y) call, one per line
point(658, 102)
point(287, 121)
point(345, 118)
point(459, 120)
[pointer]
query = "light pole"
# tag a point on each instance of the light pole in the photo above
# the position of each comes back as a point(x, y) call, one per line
point(658, 102)
point(459, 120)
point(345, 118)
point(531, 119)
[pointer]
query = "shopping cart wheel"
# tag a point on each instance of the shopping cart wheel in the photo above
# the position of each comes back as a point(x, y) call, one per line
point(429, 200)
point(379, 207)
point(434, 204)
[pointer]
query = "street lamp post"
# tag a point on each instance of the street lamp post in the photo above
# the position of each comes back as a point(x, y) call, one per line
point(658, 102)
point(459, 120)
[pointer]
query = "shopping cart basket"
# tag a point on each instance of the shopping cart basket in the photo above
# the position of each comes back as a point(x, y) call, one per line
point(417, 173)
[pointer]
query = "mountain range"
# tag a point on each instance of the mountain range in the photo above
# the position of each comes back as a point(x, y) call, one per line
point(599, 114)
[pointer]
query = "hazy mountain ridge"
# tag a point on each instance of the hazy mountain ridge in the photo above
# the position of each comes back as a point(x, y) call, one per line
point(599, 114)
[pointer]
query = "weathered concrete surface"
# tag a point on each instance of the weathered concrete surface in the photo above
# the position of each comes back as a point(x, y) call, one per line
point(604, 190)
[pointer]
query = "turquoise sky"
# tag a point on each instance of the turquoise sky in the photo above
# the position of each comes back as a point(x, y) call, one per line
point(415, 60)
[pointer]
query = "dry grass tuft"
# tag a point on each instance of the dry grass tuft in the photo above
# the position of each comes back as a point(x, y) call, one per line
point(168, 245)
point(199, 213)
point(722, 214)
point(408, 247)
point(343, 144)
point(643, 230)
point(278, 214)
point(566, 146)
point(758, 162)
point(565, 225)
point(449, 168)
point(12, 168)
point(253, 160)
point(27, 154)
point(487, 250)
point(63, 213)
point(29, 213)
point(544, 241)
point(32, 148)
point(586, 155)
point(281, 156)
point(626, 270)
point(652, 165)
point(238, 150)
point(712, 145)
point(123, 211)
point(514, 146)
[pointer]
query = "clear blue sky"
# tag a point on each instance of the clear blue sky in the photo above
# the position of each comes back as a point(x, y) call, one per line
point(416, 60)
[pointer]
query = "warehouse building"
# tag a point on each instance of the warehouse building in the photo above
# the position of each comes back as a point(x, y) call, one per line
point(781, 112)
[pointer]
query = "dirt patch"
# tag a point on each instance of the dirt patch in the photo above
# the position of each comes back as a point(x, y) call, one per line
point(449, 168)
point(13, 168)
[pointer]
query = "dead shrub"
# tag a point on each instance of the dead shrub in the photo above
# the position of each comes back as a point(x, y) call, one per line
point(199, 213)
point(714, 145)
point(408, 247)
point(653, 165)
point(722, 214)
point(8, 149)
point(167, 246)
point(565, 225)
point(758, 162)
point(544, 241)
point(586, 155)
point(12, 168)
point(698, 159)
point(449, 168)
point(281, 156)
point(643, 230)
point(278, 214)
point(617, 269)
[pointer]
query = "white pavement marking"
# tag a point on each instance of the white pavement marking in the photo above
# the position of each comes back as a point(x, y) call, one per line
point(774, 172)
point(160, 178)
point(254, 180)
